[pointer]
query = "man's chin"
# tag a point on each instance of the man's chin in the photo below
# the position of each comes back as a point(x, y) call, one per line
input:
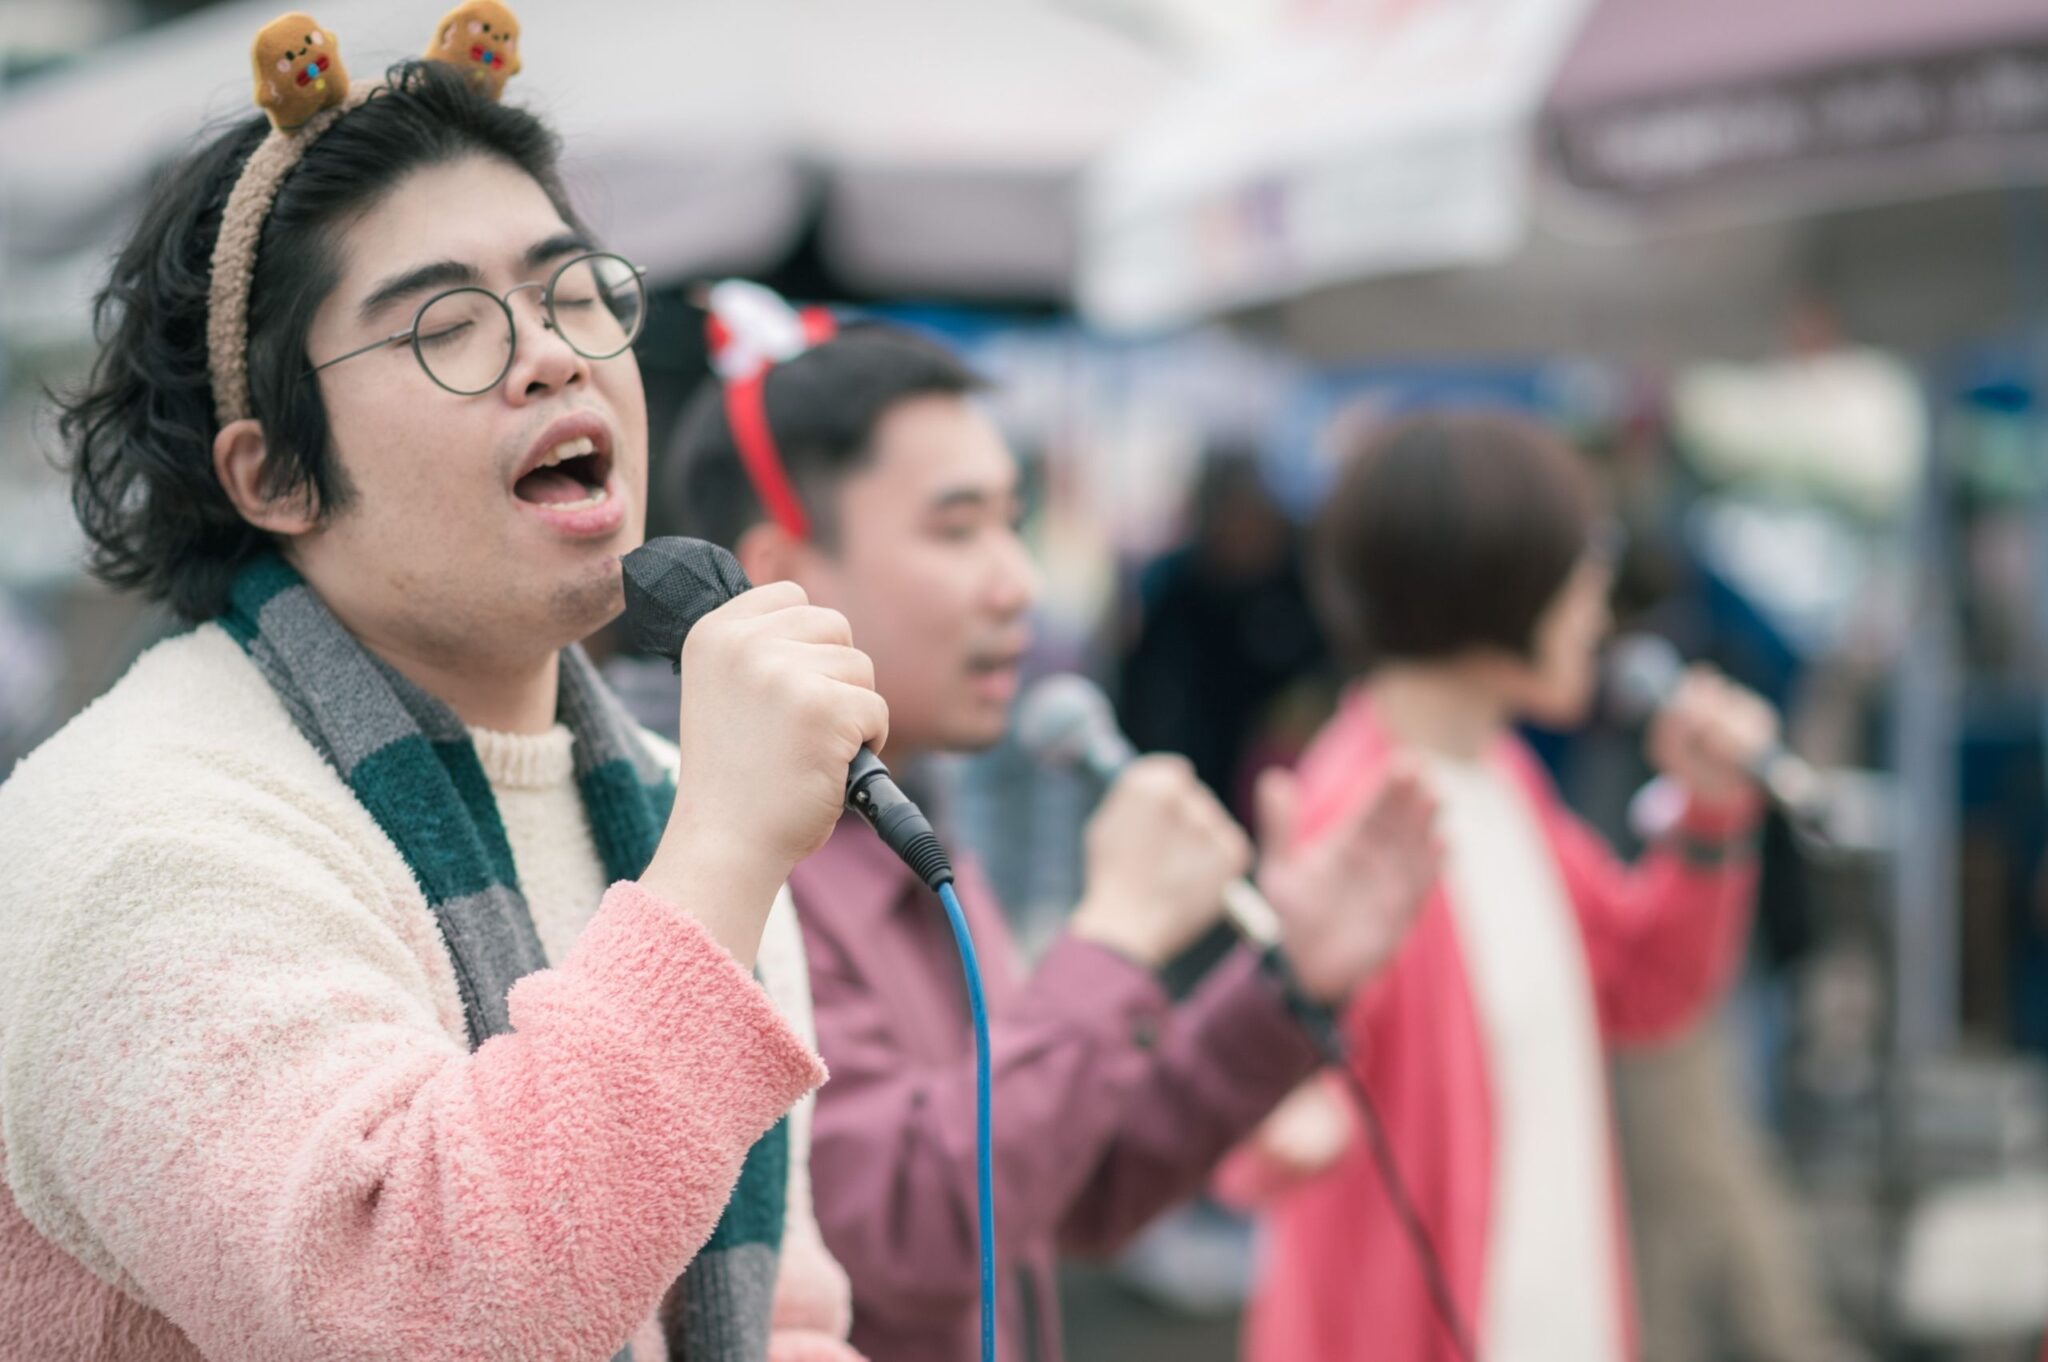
point(976, 734)
point(581, 602)
point(1561, 710)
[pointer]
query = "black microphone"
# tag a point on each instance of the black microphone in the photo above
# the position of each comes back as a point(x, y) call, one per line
point(672, 583)
point(1643, 674)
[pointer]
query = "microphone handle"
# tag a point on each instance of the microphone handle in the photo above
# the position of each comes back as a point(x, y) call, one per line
point(873, 794)
point(1791, 784)
point(1800, 793)
point(1255, 919)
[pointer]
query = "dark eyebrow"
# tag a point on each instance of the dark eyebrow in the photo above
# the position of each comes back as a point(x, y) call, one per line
point(439, 274)
point(453, 273)
point(970, 498)
point(555, 247)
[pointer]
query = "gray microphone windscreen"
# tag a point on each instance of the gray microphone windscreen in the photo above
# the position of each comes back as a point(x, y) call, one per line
point(1643, 671)
point(672, 583)
point(1063, 719)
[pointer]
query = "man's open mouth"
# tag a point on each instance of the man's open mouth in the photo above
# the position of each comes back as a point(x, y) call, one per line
point(572, 475)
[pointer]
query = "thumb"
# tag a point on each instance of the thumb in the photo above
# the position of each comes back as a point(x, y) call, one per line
point(764, 599)
point(1278, 800)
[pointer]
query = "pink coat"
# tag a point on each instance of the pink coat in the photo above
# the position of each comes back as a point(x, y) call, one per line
point(1339, 1280)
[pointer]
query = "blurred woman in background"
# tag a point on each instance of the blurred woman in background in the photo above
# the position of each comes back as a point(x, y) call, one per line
point(1460, 564)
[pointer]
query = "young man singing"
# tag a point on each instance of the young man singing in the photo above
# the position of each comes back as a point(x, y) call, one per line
point(321, 1033)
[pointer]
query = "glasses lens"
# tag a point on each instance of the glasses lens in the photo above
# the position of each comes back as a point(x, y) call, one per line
point(465, 340)
point(599, 303)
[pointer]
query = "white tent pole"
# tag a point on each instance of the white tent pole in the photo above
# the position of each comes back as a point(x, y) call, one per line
point(1925, 734)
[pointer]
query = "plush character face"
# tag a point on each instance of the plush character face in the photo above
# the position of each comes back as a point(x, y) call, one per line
point(298, 70)
point(482, 38)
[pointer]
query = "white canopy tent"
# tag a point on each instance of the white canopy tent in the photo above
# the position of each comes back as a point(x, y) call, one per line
point(1419, 176)
point(934, 144)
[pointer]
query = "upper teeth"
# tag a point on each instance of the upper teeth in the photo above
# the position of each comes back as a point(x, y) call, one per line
point(569, 449)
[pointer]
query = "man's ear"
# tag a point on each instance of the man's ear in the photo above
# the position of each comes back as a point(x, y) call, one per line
point(769, 553)
point(240, 454)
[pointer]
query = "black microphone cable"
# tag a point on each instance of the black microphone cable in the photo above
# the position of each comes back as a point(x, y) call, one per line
point(1321, 1027)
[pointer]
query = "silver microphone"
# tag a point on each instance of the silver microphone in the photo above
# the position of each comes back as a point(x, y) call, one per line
point(1643, 673)
point(1065, 720)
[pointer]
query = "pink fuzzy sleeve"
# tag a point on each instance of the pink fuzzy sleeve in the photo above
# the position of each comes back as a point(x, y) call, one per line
point(250, 1116)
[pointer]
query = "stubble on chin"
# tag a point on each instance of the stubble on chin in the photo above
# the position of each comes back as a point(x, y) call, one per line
point(583, 605)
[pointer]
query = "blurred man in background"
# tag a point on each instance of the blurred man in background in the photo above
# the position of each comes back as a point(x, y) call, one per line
point(1224, 632)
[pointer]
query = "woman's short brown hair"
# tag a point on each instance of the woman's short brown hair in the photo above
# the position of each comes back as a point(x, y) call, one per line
point(1449, 531)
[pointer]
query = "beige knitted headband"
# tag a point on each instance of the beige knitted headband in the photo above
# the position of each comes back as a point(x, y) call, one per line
point(304, 88)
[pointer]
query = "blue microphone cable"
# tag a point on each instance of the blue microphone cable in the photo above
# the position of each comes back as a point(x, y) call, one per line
point(907, 832)
point(985, 1194)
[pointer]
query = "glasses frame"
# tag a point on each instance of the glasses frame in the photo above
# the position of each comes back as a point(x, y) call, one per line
point(504, 301)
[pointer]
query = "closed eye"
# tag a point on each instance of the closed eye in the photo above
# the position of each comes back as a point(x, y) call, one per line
point(444, 335)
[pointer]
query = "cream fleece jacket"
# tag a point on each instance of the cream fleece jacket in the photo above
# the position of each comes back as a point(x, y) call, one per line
point(238, 1113)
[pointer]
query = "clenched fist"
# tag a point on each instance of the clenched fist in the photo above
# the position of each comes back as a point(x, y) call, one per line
point(776, 703)
point(1159, 851)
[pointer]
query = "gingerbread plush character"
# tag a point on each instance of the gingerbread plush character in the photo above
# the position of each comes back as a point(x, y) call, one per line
point(481, 38)
point(298, 70)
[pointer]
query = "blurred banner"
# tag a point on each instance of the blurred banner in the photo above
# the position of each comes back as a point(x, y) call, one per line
point(1394, 137)
point(1767, 108)
point(1362, 138)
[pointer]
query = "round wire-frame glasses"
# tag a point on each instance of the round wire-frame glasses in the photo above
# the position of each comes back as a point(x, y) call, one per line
point(465, 338)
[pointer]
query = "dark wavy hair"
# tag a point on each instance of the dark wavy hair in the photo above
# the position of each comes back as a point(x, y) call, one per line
point(139, 433)
point(823, 407)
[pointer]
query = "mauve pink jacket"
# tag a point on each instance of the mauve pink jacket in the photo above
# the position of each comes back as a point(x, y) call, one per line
point(1110, 1103)
point(1339, 1282)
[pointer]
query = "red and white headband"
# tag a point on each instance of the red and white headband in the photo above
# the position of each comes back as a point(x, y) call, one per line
point(751, 329)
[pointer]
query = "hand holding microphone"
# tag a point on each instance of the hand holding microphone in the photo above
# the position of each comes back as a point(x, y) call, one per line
point(1156, 813)
point(1718, 740)
point(776, 704)
point(778, 728)
point(1345, 899)
point(1711, 736)
point(1159, 853)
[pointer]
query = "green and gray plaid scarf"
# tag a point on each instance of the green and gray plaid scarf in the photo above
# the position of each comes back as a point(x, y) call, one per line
point(410, 762)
